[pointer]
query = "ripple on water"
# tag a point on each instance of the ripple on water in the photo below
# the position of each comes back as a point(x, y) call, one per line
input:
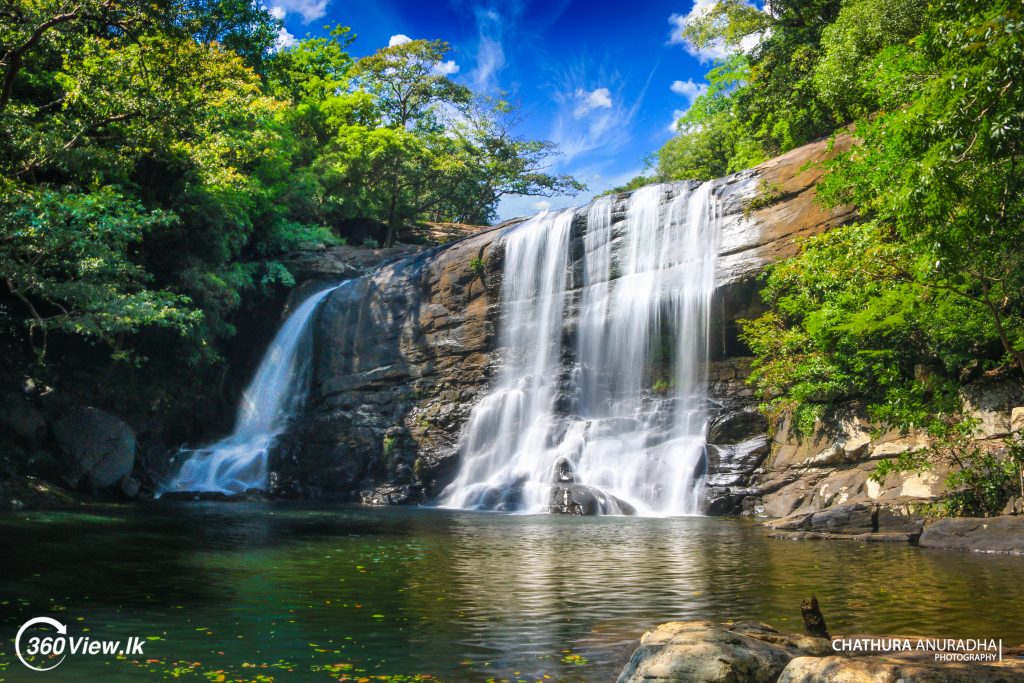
point(345, 591)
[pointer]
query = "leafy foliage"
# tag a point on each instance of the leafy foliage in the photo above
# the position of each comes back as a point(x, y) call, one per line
point(159, 158)
point(925, 292)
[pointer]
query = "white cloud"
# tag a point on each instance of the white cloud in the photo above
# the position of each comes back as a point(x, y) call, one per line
point(284, 39)
point(689, 89)
point(676, 115)
point(446, 68)
point(599, 98)
point(310, 10)
point(542, 205)
point(709, 53)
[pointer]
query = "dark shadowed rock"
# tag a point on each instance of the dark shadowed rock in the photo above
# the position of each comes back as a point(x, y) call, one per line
point(985, 535)
point(19, 417)
point(737, 426)
point(96, 445)
point(862, 521)
point(31, 493)
point(580, 499)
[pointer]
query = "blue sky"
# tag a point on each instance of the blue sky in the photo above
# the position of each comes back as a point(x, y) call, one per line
point(603, 80)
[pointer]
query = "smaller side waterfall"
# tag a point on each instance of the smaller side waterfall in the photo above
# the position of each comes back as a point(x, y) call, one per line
point(238, 462)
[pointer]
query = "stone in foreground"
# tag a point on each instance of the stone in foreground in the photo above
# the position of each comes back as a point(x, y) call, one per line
point(704, 652)
point(876, 670)
point(748, 652)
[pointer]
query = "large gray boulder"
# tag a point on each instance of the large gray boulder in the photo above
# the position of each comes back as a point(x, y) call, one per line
point(1003, 534)
point(96, 445)
point(580, 499)
point(861, 521)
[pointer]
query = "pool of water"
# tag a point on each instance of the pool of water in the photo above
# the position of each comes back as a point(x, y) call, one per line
point(286, 592)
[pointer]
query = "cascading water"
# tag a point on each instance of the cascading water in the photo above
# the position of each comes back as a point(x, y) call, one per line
point(629, 419)
point(238, 462)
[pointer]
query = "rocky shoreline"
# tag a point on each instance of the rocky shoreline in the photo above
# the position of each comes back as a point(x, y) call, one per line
point(752, 652)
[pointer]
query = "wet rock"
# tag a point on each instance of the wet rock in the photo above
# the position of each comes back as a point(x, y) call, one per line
point(96, 445)
point(564, 472)
point(580, 499)
point(31, 493)
point(130, 487)
point(412, 342)
point(732, 464)
point(741, 425)
point(1003, 534)
point(721, 502)
point(703, 652)
point(862, 521)
point(248, 496)
point(403, 494)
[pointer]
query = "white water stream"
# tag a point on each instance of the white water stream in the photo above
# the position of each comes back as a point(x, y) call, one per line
point(629, 414)
point(238, 462)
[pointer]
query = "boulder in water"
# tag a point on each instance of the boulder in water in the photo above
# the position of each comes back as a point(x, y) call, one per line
point(580, 499)
point(392, 494)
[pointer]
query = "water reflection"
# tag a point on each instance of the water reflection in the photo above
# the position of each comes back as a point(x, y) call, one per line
point(461, 596)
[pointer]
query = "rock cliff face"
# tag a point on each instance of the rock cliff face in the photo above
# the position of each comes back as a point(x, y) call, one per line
point(405, 352)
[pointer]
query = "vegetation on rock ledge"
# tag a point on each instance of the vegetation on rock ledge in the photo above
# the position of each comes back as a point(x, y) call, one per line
point(924, 292)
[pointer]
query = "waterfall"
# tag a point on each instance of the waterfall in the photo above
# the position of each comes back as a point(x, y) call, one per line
point(621, 410)
point(238, 462)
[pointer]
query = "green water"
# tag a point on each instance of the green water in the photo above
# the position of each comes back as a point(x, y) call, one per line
point(298, 593)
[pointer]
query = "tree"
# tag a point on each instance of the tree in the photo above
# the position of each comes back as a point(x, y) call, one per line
point(925, 292)
point(409, 92)
point(498, 163)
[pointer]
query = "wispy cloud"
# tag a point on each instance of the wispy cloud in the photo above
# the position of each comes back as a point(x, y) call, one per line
point(490, 49)
point(589, 118)
point(310, 10)
point(596, 177)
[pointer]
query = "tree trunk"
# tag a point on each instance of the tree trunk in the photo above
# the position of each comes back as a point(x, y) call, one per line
point(389, 239)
